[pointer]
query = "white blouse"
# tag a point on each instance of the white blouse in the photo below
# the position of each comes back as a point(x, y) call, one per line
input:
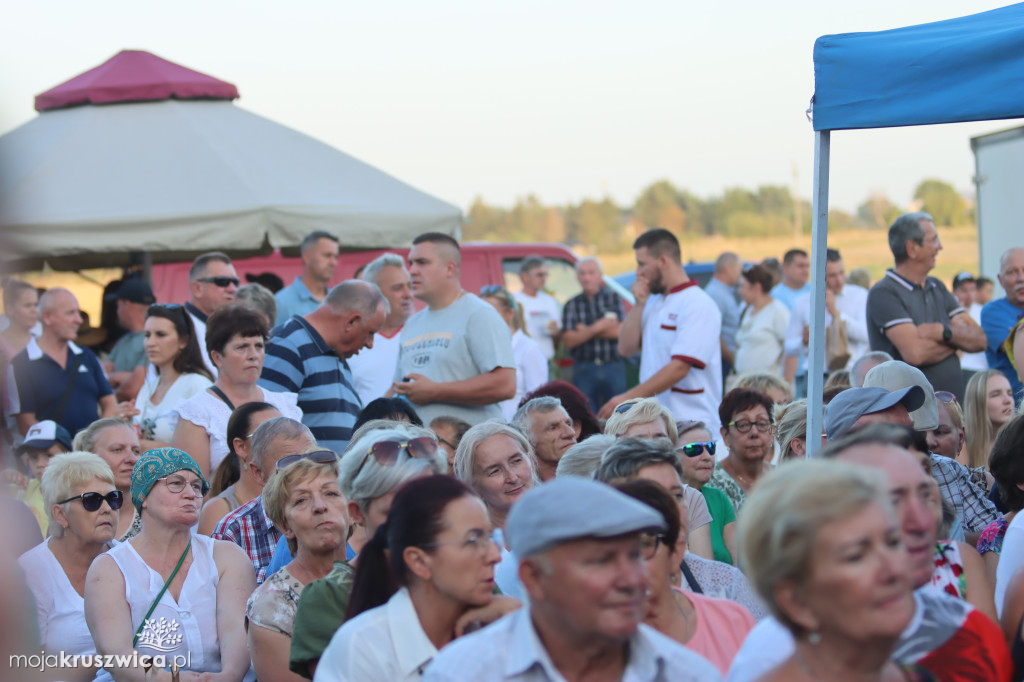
point(157, 422)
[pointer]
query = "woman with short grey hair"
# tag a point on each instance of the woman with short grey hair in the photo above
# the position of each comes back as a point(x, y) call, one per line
point(498, 463)
point(583, 458)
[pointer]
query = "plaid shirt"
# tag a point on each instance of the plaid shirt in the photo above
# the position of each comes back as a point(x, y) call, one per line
point(581, 310)
point(251, 529)
point(970, 501)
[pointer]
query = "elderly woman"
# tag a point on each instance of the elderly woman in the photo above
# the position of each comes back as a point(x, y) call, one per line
point(305, 503)
point(763, 325)
point(647, 418)
point(696, 450)
point(988, 406)
point(422, 572)
point(117, 444)
point(822, 545)
point(791, 429)
point(165, 578)
point(376, 464)
point(531, 363)
point(235, 335)
point(82, 502)
point(747, 431)
point(714, 628)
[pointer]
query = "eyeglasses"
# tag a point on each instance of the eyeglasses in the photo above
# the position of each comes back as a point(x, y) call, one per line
point(945, 397)
point(498, 291)
point(694, 449)
point(93, 501)
point(318, 456)
point(744, 427)
point(222, 282)
point(649, 545)
point(177, 483)
point(386, 451)
point(479, 540)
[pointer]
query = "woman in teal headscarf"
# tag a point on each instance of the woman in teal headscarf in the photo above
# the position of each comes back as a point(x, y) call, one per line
point(167, 593)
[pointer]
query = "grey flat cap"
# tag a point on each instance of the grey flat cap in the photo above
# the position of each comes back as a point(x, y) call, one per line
point(853, 403)
point(572, 508)
point(894, 375)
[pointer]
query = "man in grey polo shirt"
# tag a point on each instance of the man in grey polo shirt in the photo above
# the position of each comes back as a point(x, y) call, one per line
point(912, 316)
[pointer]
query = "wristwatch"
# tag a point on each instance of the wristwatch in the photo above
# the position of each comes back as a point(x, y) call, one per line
point(947, 334)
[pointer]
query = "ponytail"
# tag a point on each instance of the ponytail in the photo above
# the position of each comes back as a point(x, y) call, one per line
point(374, 582)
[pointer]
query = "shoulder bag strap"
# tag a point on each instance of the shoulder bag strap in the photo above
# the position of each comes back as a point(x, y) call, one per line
point(691, 579)
point(160, 595)
point(220, 394)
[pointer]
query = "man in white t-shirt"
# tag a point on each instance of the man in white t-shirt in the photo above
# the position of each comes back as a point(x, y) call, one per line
point(675, 326)
point(456, 355)
point(540, 309)
point(373, 369)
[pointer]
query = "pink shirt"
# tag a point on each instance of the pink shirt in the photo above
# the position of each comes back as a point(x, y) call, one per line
point(722, 625)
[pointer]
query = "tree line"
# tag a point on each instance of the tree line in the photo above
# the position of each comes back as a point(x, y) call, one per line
point(770, 210)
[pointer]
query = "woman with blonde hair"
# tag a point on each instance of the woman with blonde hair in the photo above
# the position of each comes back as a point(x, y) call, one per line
point(988, 406)
point(775, 387)
point(642, 418)
point(531, 364)
point(791, 430)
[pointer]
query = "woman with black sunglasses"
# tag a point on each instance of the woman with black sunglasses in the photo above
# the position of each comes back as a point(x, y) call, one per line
point(696, 449)
point(179, 373)
point(82, 504)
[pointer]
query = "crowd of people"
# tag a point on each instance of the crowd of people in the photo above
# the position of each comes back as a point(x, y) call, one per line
point(325, 484)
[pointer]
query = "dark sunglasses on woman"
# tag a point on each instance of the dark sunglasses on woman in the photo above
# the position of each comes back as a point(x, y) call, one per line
point(694, 449)
point(93, 501)
point(386, 451)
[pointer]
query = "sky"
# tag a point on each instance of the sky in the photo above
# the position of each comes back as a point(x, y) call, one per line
point(565, 100)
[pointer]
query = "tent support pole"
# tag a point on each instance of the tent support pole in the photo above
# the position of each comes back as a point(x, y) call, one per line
point(819, 244)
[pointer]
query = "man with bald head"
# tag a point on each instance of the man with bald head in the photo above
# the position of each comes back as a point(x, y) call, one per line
point(56, 379)
point(1000, 316)
point(307, 355)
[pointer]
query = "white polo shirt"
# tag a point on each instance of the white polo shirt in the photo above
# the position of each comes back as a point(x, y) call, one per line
point(538, 311)
point(685, 324)
point(373, 369)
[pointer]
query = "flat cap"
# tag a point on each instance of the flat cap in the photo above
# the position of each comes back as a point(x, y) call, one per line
point(572, 508)
point(853, 403)
point(894, 375)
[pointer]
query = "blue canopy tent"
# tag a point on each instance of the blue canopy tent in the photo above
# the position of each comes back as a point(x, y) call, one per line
point(958, 70)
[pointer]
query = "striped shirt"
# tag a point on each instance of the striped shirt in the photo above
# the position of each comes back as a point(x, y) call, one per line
point(587, 311)
point(298, 360)
point(251, 529)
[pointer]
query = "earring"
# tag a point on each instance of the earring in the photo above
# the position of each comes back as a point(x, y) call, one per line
point(814, 638)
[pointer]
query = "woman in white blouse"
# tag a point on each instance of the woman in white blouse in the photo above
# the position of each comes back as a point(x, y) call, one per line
point(438, 543)
point(179, 373)
point(763, 325)
point(235, 337)
point(531, 364)
point(82, 504)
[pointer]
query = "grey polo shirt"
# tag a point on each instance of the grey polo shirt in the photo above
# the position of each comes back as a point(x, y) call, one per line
point(893, 300)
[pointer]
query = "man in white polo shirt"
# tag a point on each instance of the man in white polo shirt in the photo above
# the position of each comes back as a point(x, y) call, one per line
point(675, 326)
point(540, 309)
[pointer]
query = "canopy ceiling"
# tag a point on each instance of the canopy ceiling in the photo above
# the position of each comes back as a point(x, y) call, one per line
point(965, 69)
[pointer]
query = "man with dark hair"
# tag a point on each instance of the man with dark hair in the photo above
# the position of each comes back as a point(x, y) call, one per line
point(126, 365)
point(213, 283)
point(964, 289)
point(912, 316)
point(846, 312)
point(796, 270)
point(456, 355)
point(722, 290)
point(1000, 316)
point(676, 327)
point(319, 253)
point(983, 288)
point(306, 355)
point(540, 309)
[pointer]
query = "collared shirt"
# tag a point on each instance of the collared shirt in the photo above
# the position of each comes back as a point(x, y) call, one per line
point(852, 303)
point(250, 528)
point(199, 323)
point(970, 502)
point(586, 311)
point(894, 301)
point(997, 319)
point(509, 649)
point(39, 384)
point(298, 360)
point(724, 297)
point(295, 299)
point(385, 644)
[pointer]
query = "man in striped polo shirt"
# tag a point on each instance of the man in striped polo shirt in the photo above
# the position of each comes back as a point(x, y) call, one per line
point(306, 355)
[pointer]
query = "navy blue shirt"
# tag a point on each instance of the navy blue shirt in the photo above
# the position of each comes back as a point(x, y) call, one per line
point(40, 384)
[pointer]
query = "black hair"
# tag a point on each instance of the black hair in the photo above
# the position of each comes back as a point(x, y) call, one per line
point(396, 409)
point(1007, 465)
point(190, 359)
point(659, 241)
point(231, 320)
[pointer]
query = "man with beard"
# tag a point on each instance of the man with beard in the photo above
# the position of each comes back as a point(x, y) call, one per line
point(676, 327)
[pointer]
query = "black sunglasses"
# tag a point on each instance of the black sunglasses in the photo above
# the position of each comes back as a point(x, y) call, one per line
point(386, 451)
point(626, 406)
point(318, 456)
point(222, 282)
point(93, 501)
point(694, 449)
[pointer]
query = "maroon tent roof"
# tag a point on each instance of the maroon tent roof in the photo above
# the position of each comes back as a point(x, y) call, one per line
point(134, 76)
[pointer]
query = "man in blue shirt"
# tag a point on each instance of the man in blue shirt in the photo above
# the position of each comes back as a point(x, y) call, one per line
point(999, 317)
point(796, 270)
point(319, 251)
point(722, 290)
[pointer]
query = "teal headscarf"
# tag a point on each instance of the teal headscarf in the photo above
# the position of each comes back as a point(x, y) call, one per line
point(154, 465)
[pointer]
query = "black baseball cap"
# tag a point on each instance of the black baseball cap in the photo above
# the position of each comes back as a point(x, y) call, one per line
point(134, 290)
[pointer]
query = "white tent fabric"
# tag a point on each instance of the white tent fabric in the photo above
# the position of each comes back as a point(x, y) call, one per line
point(188, 176)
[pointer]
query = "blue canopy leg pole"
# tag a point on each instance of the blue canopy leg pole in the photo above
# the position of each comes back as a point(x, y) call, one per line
point(819, 244)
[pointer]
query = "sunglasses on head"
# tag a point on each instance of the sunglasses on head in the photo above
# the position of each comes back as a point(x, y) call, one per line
point(694, 449)
point(386, 451)
point(945, 396)
point(625, 407)
point(93, 501)
point(222, 282)
point(318, 456)
point(498, 291)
